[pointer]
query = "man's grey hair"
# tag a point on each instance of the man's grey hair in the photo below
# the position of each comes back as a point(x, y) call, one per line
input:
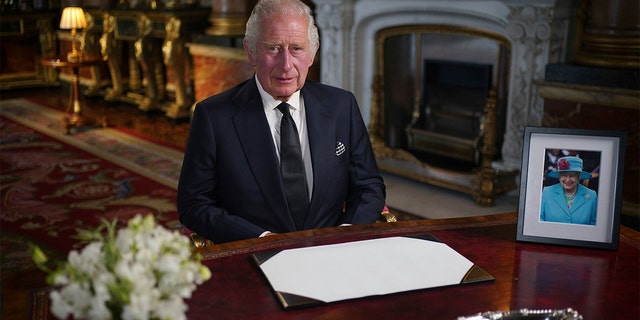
point(266, 9)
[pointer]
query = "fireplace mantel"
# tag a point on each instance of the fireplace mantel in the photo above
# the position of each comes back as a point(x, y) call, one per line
point(538, 31)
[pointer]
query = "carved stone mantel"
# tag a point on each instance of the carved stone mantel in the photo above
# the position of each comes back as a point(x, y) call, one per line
point(537, 29)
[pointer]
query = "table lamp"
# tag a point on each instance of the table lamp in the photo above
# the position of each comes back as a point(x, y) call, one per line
point(73, 18)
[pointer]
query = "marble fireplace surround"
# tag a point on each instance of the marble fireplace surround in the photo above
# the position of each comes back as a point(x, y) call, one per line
point(538, 31)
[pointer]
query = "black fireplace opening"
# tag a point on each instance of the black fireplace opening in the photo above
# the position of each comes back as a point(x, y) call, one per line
point(448, 128)
point(454, 97)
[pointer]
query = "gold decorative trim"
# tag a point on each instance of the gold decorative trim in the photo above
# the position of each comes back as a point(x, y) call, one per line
point(198, 241)
point(607, 61)
point(227, 26)
point(606, 50)
point(205, 50)
point(476, 274)
point(612, 97)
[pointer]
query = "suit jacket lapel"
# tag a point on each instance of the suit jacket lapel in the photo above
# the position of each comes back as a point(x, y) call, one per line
point(254, 134)
point(579, 199)
point(560, 199)
point(322, 140)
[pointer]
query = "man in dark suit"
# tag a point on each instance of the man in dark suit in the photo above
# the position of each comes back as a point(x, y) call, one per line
point(231, 186)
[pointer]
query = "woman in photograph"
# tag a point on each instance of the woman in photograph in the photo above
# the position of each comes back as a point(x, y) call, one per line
point(568, 201)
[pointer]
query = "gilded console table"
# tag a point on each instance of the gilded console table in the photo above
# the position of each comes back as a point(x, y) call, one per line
point(156, 57)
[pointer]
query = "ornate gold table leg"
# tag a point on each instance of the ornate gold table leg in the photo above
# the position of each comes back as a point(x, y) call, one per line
point(75, 120)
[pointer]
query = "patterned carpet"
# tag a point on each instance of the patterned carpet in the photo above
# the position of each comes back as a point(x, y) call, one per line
point(141, 154)
point(53, 183)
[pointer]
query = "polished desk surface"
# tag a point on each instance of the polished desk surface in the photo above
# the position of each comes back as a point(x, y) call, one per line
point(598, 284)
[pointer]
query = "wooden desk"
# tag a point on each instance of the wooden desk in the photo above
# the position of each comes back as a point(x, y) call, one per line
point(598, 284)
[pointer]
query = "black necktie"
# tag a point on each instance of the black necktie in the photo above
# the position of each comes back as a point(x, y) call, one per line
point(292, 168)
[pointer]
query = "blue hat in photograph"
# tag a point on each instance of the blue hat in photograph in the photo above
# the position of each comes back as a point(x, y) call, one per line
point(570, 164)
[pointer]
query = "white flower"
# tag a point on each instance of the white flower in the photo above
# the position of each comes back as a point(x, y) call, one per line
point(140, 305)
point(59, 307)
point(173, 308)
point(143, 271)
point(169, 264)
point(89, 260)
point(98, 308)
point(74, 299)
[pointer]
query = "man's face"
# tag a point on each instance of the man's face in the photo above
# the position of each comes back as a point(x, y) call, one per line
point(283, 56)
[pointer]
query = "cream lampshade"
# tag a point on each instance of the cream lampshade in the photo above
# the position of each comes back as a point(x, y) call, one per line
point(73, 18)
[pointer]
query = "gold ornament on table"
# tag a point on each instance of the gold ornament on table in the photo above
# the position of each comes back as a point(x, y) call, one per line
point(73, 18)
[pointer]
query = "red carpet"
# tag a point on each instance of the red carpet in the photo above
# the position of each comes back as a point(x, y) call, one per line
point(53, 184)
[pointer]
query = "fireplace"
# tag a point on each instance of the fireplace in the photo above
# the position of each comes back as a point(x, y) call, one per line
point(434, 84)
point(439, 105)
point(526, 35)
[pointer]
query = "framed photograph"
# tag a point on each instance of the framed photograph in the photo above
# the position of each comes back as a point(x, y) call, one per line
point(571, 187)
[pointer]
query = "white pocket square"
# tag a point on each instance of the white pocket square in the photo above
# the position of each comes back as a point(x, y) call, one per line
point(339, 148)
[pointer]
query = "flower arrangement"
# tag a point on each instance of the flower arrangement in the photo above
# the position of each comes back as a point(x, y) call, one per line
point(143, 271)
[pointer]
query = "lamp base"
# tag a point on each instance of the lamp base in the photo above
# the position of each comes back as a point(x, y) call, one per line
point(74, 57)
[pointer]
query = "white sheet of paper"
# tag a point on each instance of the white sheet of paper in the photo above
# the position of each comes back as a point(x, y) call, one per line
point(364, 268)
